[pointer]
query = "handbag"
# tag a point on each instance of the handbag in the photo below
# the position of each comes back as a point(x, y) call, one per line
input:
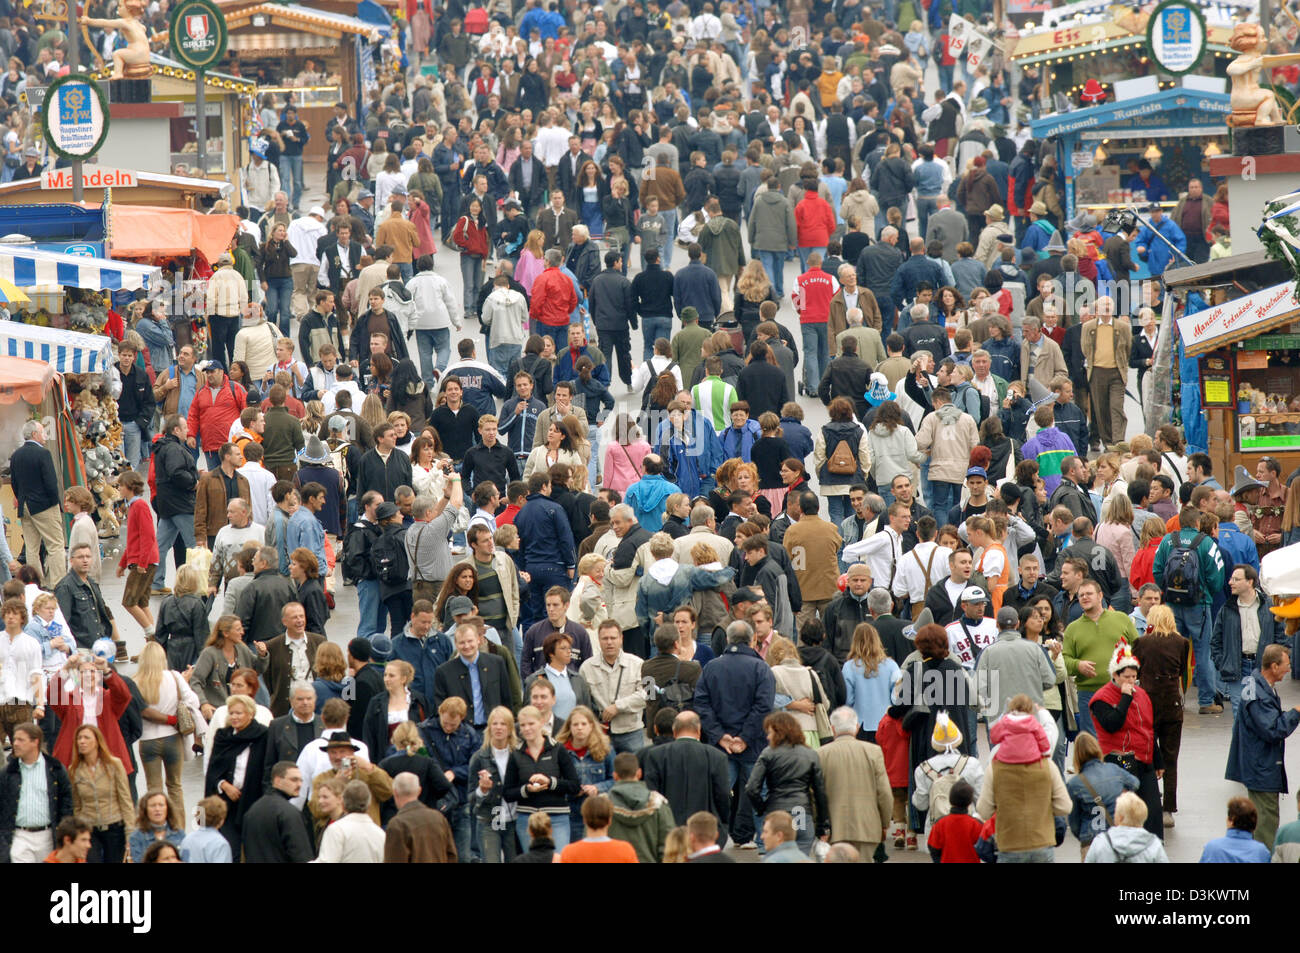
point(1126, 760)
point(821, 711)
point(184, 717)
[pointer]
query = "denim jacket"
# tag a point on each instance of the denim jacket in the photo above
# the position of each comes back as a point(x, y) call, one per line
point(1109, 781)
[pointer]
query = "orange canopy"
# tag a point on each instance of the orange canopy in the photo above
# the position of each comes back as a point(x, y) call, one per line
point(24, 379)
point(145, 231)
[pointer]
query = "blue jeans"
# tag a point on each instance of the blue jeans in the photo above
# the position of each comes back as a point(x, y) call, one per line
point(670, 236)
point(460, 833)
point(471, 274)
point(135, 443)
point(744, 825)
point(1248, 667)
point(945, 76)
point(426, 342)
point(1194, 625)
point(632, 741)
point(774, 265)
point(559, 831)
point(1040, 855)
point(500, 356)
point(494, 845)
point(407, 269)
point(1084, 718)
point(805, 251)
point(943, 497)
point(279, 296)
point(816, 353)
point(925, 207)
point(651, 329)
point(838, 509)
point(169, 527)
point(291, 171)
point(373, 611)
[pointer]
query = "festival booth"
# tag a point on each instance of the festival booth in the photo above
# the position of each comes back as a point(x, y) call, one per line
point(152, 189)
point(1094, 144)
point(1243, 357)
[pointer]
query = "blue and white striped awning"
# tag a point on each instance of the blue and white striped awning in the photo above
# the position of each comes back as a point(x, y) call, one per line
point(29, 267)
point(70, 352)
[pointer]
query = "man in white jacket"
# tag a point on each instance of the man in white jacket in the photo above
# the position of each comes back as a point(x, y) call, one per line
point(436, 313)
point(303, 235)
point(505, 312)
point(354, 838)
point(261, 182)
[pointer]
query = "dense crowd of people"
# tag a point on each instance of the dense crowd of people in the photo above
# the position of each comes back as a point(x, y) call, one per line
point(643, 625)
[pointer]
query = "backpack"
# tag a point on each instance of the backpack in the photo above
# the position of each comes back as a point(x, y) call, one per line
point(941, 787)
point(388, 559)
point(678, 693)
point(1182, 575)
point(654, 382)
point(842, 461)
point(356, 552)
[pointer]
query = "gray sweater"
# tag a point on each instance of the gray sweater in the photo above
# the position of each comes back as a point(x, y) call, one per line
point(1011, 666)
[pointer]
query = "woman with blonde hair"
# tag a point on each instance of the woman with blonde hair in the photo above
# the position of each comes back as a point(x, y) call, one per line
point(753, 288)
point(372, 411)
point(487, 769)
point(869, 676)
point(224, 654)
point(623, 456)
point(388, 709)
point(165, 694)
point(986, 535)
point(593, 759)
point(1164, 653)
point(315, 420)
point(677, 847)
point(1109, 485)
point(328, 808)
point(244, 681)
point(237, 767)
point(1115, 532)
point(797, 687)
point(182, 624)
point(587, 605)
point(410, 754)
point(540, 778)
point(531, 263)
point(101, 795)
point(1128, 841)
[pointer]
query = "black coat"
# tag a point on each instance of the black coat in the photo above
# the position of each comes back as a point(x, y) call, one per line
point(531, 197)
point(452, 680)
point(275, 832)
point(260, 605)
point(829, 670)
point(136, 403)
point(31, 471)
point(57, 788)
point(221, 767)
point(176, 477)
point(434, 785)
point(841, 618)
point(846, 376)
point(375, 474)
point(763, 386)
point(693, 776)
point(896, 644)
point(374, 730)
point(611, 302)
point(282, 741)
point(368, 682)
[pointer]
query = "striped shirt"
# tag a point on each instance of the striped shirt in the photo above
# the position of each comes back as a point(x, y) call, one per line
point(714, 396)
point(491, 599)
point(33, 796)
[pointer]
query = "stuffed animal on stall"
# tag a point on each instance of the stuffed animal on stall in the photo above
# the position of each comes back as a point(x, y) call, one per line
point(107, 495)
point(80, 318)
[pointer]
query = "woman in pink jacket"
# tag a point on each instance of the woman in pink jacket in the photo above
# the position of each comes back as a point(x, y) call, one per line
point(624, 455)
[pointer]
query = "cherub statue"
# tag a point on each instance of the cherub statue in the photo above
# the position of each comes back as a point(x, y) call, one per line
point(132, 61)
point(1251, 105)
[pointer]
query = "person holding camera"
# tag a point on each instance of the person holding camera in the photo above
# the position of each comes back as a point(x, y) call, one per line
point(349, 764)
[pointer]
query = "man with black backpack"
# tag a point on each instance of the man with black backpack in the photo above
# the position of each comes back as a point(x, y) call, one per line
point(357, 569)
point(1189, 568)
point(392, 568)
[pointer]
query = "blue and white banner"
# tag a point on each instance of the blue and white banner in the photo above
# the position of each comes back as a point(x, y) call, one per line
point(69, 352)
point(28, 267)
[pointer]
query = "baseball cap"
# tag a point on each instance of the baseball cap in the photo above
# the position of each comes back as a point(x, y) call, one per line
point(977, 471)
point(974, 594)
point(1008, 618)
point(460, 605)
point(212, 364)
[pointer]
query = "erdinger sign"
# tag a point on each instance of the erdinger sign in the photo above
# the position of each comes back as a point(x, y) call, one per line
point(1234, 319)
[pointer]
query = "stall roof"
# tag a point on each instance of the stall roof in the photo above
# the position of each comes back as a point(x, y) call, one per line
point(24, 379)
point(145, 231)
point(295, 15)
point(67, 352)
point(54, 221)
point(1199, 106)
point(174, 70)
point(1254, 266)
point(1239, 319)
point(29, 268)
point(179, 183)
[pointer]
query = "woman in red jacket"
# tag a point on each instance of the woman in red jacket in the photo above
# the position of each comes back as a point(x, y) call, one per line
point(471, 237)
point(1141, 570)
point(88, 692)
point(1124, 716)
point(815, 221)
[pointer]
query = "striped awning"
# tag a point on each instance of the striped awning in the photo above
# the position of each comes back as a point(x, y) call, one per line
point(26, 267)
point(68, 352)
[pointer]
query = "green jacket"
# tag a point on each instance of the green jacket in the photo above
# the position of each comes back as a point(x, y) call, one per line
point(642, 818)
point(1095, 642)
point(282, 438)
point(686, 350)
point(1211, 563)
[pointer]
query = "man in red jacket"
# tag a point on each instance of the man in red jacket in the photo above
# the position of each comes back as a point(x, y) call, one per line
point(215, 407)
point(814, 221)
point(813, 291)
point(553, 299)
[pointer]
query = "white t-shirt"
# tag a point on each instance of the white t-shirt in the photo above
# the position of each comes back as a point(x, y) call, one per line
point(966, 639)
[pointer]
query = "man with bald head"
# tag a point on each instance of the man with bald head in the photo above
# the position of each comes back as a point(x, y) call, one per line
point(689, 773)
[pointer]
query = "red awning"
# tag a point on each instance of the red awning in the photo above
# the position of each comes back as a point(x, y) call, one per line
point(24, 379)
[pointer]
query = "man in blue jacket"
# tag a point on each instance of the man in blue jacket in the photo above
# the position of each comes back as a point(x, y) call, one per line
point(1238, 845)
point(518, 422)
point(423, 647)
point(546, 540)
point(565, 367)
point(1152, 250)
point(696, 286)
point(1257, 754)
point(732, 697)
point(647, 495)
point(1194, 619)
point(1242, 630)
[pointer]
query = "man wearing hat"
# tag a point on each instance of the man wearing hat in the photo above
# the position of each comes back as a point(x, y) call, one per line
point(304, 234)
point(1011, 666)
point(971, 632)
point(1041, 232)
point(349, 763)
point(990, 229)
